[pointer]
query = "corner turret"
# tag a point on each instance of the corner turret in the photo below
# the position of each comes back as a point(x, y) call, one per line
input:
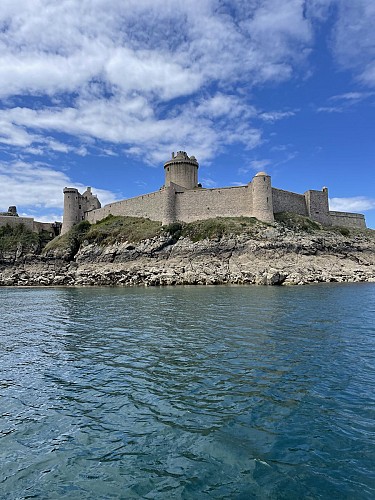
point(71, 210)
point(181, 170)
point(262, 197)
point(75, 206)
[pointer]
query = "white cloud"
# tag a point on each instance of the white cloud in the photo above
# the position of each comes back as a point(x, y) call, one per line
point(352, 96)
point(50, 217)
point(230, 106)
point(273, 116)
point(354, 204)
point(38, 186)
point(132, 121)
point(259, 164)
point(330, 109)
point(122, 64)
point(208, 183)
point(354, 38)
point(343, 102)
point(256, 165)
point(167, 47)
point(152, 72)
point(318, 9)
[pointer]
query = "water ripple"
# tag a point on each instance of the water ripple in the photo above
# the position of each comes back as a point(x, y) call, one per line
point(189, 392)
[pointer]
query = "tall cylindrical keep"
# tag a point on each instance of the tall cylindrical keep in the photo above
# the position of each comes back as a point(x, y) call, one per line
point(262, 197)
point(71, 209)
point(181, 170)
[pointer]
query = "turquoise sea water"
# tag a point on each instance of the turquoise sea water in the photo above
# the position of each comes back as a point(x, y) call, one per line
point(188, 392)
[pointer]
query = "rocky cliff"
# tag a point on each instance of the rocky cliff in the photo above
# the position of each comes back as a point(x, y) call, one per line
point(237, 251)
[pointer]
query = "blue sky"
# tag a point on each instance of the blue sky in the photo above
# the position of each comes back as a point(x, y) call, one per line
point(98, 93)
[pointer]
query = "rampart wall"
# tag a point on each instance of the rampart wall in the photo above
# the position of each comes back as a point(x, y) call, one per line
point(37, 227)
point(219, 202)
point(28, 222)
point(188, 206)
point(197, 204)
point(53, 228)
point(347, 219)
point(286, 201)
point(181, 199)
point(150, 206)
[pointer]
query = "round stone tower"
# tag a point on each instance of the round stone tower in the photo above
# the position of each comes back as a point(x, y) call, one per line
point(181, 170)
point(71, 209)
point(262, 197)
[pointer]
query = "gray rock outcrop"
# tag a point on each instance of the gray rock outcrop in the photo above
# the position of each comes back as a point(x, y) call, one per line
point(273, 255)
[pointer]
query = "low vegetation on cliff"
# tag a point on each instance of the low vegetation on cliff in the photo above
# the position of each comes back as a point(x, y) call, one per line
point(19, 239)
point(128, 251)
point(213, 228)
point(105, 232)
point(117, 229)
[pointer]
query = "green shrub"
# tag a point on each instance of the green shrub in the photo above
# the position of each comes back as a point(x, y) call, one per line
point(174, 230)
point(297, 222)
point(342, 230)
point(18, 235)
point(219, 227)
point(70, 242)
point(117, 228)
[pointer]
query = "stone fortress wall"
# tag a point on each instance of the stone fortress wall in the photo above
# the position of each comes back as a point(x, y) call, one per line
point(141, 206)
point(207, 203)
point(183, 199)
point(347, 219)
point(11, 218)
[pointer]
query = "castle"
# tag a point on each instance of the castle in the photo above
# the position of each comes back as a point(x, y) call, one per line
point(182, 198)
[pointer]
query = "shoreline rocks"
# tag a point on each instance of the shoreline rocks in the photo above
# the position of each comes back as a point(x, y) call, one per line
point(273, 256)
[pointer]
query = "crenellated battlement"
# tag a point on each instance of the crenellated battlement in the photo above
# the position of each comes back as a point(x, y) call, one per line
point(182, 171)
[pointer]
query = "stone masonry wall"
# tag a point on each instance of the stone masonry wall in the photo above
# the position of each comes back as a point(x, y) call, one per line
point(347, 219)
point(206, 203)
point(150, 206)
point(285, 201)
point(317, 206)
point(174, 203)
point(13, 221)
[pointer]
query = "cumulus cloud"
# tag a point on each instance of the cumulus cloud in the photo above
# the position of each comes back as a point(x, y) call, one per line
point(132, 121)
point(114, 73)
point(37, 188)
point(354, 204)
